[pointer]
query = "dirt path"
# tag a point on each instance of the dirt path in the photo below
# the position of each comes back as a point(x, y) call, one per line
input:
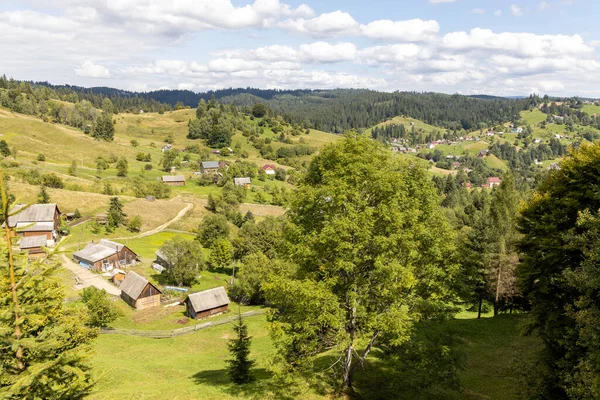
point(162, 227)
point(87, 278)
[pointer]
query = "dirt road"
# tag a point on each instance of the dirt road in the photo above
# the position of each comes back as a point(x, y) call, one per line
point(87, 278)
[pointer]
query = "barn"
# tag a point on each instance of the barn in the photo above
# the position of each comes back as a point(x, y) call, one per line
point(33, 245)
point(209, 167)
point(36, 220)
point(139, 293)
point(207, 303)
point(105, 256)
point(174, 180)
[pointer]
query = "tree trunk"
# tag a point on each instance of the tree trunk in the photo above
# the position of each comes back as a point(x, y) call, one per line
point(497, 299)
point(350, 328)
point(479, 307)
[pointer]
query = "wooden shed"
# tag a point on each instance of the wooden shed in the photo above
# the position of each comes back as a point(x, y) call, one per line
point(174, 180)
point(118, 276)
point(207, 303)
point(105, 256)
point(33, 245)
point(139, 293)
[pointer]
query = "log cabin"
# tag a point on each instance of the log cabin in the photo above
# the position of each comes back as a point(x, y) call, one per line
point(174, 180)
point(207, 303)
point(139, 293)
point(105, 256)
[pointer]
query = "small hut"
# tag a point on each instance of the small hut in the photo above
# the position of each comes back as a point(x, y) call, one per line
point(139, 293)
point(33, 245)
point(207, 303)
point(174, 180)
point(118, 276)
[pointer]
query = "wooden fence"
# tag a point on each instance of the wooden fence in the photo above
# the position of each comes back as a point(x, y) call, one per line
point(177, 332)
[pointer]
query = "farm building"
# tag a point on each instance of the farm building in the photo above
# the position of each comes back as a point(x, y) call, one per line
point(174, 180)
point(139, 293)
point(36, 220)
point(33, 245)
point(118, 276)
point(166, 147)
point(105, 256)
point(269, 169)
point(493, 181)
point(242, 181)
point(209, 167)
point(207, 303)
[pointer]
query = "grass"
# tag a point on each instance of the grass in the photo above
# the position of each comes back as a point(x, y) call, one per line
point(591, 109)
point(533, 117)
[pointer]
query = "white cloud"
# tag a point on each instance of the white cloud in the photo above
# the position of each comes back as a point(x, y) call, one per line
point(413, 30)
point(478, 11)
point(498, 13)
point(543, 6)
point(90, 70)
point(516, 11)
point(328, 24)
point(324, 52)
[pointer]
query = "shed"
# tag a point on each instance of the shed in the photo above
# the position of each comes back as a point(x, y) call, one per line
point(118, 276)
point(174, 180)
point(209, 167)
point(139, 293)
point(105, 256)
point(33, 245)
point(242, 181)
point(207, 303)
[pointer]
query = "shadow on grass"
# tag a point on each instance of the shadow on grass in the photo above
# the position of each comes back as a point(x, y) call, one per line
point(263, 387)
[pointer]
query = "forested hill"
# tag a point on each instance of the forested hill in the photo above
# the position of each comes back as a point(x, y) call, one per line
point(330, 110)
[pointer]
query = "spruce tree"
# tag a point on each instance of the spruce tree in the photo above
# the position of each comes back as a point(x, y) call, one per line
point(43, 196)
point(43, 345)
point(240, 366)
point(115, 213)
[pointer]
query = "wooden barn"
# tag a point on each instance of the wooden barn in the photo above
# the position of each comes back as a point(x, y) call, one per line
point(105, 256)
point(209, 167)
point(139, 293)
point(174, 180)
point(33, 245)
point(36, 220)
point(207, 303)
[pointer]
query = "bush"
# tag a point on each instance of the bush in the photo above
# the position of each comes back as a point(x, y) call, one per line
point(135, 224)
point(212, 228)
point(148, 167)
point(41, 157)
point(101, 310)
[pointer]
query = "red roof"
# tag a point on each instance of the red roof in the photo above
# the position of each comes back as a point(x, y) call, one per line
point(268, 166)
point(493, 179)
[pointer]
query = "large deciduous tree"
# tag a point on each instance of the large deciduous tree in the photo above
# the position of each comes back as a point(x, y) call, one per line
point(185, 260)
point(374, 255)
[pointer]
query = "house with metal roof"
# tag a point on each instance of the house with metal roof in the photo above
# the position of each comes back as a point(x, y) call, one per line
point(105, 256)
point(34, 245)
point(209, 167)
point(207, 303)
point(35, 220)
point(138, 292)
point(242, 181)
point(174, 180)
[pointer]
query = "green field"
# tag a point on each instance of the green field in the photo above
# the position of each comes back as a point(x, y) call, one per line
point(591, 109)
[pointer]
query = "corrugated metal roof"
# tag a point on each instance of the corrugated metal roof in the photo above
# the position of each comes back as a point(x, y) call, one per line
point(34, 226)
point(210, 164)
point(111, 244)
point(94, 252)
point(29, 242)
point(208, 299)
point(241, 181)
point(173, 178)
point(133, 284)
point(33, 213)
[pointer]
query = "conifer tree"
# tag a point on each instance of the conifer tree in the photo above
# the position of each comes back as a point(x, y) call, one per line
point(115, 213)
point(240, 366)
point(43, 346)
point(43, 196)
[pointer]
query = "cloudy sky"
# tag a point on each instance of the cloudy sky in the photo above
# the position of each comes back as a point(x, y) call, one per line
point(496, 47)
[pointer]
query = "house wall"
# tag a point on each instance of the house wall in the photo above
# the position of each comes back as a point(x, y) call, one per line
point(176, 183)
point(40, 233)
point(128, 300)
point(209, 170)
point(204, 314)
point(36, 252)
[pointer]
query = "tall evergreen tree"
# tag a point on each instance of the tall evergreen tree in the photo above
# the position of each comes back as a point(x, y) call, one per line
point(240, 365)
point(43, 197)
point(115, 213)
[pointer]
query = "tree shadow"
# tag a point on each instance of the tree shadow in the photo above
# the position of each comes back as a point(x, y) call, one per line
point(263, 387)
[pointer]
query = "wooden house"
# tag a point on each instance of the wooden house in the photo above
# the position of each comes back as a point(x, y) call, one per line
point(245, 182)
point(36, 220)
point(207, 303)
point(118, 276)
point(209, 167)
point(34, 245)
point(174, 180)
point(105, 256)
point(139, 293)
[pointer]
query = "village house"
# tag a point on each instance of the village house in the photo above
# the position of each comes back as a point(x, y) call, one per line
point(33, 245)
point(466, 185)
point(161, 263)
point(36, 220)
point(430, 146)
point(538, 140)
point(105, 256)
point(516, 130)
point(223, 164)
point(139, 293)
point(207, 303)
point(166, 147)
point(554, 166)
point(269, 169)
point(245, 182)
point(493, 181)
point(482, 153)
point(455, 165)
point(174, 180)
point(209, 167)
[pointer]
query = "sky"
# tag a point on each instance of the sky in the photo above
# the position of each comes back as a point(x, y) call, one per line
point(497, 47)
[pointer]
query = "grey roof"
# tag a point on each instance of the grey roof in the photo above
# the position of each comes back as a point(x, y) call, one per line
point(29, 242)
point(133, 284)
point(173, 178)
point(111, 244)
point(241, 181)
point(162, 256)
point(34, 226)
point(33, 213)
point(209, 299)
point(94, 252)
point(210, 164)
